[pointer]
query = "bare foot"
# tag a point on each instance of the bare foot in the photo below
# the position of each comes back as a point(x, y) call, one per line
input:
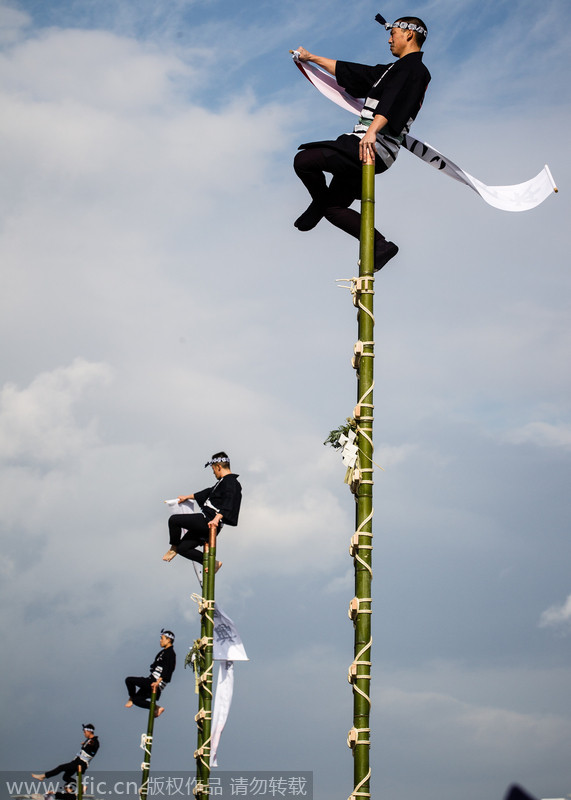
point(218, 565)
point(129, 703)
point(169, 555)
point(39, 776)
point(159, 711)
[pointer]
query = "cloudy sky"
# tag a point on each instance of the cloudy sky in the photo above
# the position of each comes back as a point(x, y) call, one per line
point(158, 305)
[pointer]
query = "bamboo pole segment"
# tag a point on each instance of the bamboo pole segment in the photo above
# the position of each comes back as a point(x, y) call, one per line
point(147, 745)
point(79, 783)
point(361, 544)
point(206, 665)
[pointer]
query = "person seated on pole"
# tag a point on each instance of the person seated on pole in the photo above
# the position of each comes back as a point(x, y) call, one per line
point(162, 668)
point(394, 93)
point(219, 505)
point(89, 748)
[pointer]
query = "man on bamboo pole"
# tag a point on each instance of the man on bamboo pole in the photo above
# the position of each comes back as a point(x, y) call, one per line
point(89, 748)
point(219, 505)
point(394, 93)
point(162, 668)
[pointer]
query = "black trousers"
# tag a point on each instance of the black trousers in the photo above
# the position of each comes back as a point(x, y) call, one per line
point(69, 769)
point(345, 186)
point(140, 691)
point(197, 532)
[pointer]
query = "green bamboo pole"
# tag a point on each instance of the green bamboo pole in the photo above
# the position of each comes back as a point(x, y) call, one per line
point(360, 611)
point(204, 716)
point(79, 783)
point(146, 765)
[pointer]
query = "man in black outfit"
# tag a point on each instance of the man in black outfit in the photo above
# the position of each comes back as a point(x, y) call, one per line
point(89, 748)
point(219, 505)
point(162, 668)
point(394, 94)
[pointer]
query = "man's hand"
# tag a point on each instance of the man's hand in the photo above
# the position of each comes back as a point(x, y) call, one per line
point(304, 55)
point(155, 685)
point(328, 64)
point(367, 147)
point(184, 497)
point(367, 143)
point(214, 521)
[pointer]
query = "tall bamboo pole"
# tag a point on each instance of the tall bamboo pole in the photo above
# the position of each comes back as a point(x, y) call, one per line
point(204, 716)
point(361, 543)
point(147, 746)
point(79, 783)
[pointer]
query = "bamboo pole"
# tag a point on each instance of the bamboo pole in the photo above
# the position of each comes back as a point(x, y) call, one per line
point(361, 546)
point(204, 716)
point(79, 783)
point(147, 747)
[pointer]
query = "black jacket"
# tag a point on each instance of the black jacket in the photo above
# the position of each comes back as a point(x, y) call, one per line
point(163, 666)
point(223, 498)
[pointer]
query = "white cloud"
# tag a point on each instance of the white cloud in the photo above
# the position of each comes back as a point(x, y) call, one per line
point(37, 424)
point(542, 434)
point(557, 616)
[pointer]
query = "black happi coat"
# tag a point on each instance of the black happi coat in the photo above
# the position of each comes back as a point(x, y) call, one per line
point(223, 498)
point(88, 748)
point(164, 664)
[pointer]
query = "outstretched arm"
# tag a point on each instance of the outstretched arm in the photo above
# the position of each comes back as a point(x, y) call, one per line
point(328, 64)
point(183, 497)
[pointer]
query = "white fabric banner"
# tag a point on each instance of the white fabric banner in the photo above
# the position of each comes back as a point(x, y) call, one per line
point(228, 647)
point(222, 703)
point(518, 197)
point(187, 507)
point(227, 642)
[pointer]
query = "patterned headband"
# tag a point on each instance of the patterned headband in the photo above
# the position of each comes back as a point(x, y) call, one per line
point(410, 26)
point(220, 460)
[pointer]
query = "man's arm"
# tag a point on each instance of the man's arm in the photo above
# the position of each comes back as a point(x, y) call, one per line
point(183, 497)
point(328, 64)
point(367, 143)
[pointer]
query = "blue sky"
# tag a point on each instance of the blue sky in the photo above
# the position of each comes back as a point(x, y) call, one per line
point(158, 305)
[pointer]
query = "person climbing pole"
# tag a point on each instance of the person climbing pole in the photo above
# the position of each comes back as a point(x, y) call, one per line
point(89, 748)
point(162, 668)
point(219, 505)
point(394, 94)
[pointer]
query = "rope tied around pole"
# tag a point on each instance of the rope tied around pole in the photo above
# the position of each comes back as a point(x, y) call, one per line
point(356, 545)
point(146, 743)
point(204, 605)
point(356, 791)
point(357, 287)
point(203, 750)
point(355, 606)
point(353, 737)
point(353, 672)
point(359, 352)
